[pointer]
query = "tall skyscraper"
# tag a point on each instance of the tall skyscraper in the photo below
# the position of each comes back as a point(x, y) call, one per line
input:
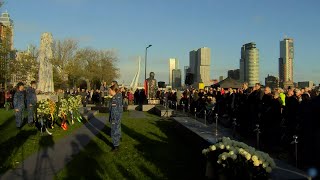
point(173, 64)
point(193, 64)
point(186, 71)
point(204, 59)
point(249, 64)
point(199, 64)
point(286, 62)
point(176, 78)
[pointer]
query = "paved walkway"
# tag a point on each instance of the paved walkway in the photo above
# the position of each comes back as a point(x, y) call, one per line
point(53, 158)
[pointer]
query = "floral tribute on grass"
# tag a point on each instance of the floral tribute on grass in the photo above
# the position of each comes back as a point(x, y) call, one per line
point(67, 110)
point(231, 159)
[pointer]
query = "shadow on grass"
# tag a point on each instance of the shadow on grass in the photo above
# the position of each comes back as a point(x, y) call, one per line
point(7, 123)
point(148, 173)
point(94, 125)
point(125, 173)
point(85, 165)
point(175, 158)
point(13, 144)
point(43, 161)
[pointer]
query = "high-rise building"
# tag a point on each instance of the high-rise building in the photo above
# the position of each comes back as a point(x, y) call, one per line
point(173, 64)
point(272, 81)
point(204, 59)
point(193, 64)
point(6, 29)
point(186, 71)
point(249, 64)
point(234, 74)
point(176, 78)
point(286, 62)
point(199, 64)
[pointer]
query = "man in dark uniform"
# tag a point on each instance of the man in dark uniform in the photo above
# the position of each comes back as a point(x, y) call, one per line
point(116, 110)
point(18, 103)
point(31, 102)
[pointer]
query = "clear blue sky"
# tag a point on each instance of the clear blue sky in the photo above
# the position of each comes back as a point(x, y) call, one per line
point(174, 27)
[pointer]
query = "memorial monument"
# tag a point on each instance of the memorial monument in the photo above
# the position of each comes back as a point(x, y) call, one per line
point(45, 84)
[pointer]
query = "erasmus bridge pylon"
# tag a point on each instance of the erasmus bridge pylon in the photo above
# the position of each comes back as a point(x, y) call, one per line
point(135, 80)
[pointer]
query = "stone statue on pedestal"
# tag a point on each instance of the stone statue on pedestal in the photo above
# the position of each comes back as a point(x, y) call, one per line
point(45, 84)
point(152, 86)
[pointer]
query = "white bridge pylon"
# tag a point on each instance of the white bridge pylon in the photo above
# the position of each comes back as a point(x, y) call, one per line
point(135, 80)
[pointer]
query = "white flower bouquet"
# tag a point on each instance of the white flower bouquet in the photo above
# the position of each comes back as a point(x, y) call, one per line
point(74, 105)
point(43, 108)
point(45, 111)
point(238, 160)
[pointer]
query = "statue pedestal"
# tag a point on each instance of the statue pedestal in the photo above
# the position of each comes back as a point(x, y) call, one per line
point(154, 101)
point(53, 97)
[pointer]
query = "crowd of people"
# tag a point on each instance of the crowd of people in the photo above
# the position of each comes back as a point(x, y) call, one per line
point(280, 114)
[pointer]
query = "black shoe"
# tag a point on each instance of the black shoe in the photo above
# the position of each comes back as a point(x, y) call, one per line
point(115, 149)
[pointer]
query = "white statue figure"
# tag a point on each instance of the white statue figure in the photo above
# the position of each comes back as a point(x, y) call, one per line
point(45, 84)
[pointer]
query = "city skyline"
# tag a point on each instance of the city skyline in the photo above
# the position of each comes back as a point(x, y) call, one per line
point(127, 31)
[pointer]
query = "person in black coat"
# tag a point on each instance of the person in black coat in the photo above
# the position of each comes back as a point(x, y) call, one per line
point(136, 97)
point(271, 121)
point(293, 112)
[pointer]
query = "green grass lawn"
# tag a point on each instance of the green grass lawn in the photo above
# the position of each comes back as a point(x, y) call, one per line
point(151, 149)
point(16, 145)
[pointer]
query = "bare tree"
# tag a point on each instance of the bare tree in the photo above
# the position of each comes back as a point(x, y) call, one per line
point(63, 54)
point(96, 65)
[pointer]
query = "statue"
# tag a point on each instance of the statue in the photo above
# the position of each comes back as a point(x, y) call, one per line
point(45, 84)
point(152, 86)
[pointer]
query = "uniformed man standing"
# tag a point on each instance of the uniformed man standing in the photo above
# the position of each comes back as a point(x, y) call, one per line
point(116, 110)
point(31, 102)
point(18, 103)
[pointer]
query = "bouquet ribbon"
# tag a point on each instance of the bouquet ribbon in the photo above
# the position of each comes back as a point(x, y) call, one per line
point(64, 124)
